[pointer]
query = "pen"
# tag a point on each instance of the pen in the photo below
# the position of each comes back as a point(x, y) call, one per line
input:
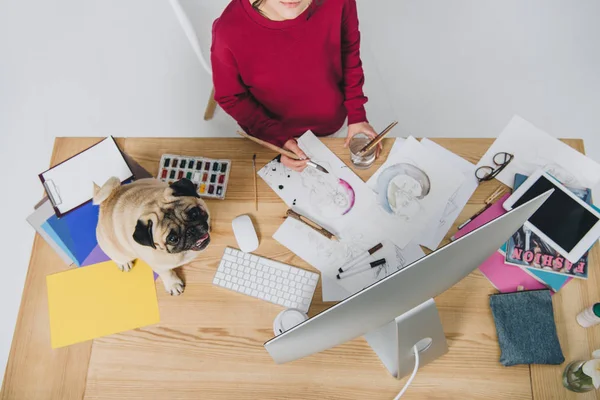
point(355, 271)
point(361, 258)
point(477, 214)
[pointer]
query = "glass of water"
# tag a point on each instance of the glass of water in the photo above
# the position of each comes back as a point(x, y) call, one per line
point(357, 142)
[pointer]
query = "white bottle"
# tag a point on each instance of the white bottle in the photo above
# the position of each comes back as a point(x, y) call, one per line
point(590, 316)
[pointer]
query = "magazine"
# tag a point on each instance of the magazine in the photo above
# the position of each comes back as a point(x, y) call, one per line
point(526, 249)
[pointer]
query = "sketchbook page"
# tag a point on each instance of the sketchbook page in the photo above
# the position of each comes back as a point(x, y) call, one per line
point(433, 235)
point(338, 201)
point(415, 185)
point(71, 182)
point(534, 149)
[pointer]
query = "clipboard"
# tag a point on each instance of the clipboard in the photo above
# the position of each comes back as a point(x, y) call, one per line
point(70, 184)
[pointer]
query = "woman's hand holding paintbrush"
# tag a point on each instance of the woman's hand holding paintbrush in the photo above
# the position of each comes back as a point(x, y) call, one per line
point(294, 156)
point(296, 165)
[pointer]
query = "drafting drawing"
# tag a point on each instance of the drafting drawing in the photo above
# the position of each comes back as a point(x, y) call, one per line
point(401, 188)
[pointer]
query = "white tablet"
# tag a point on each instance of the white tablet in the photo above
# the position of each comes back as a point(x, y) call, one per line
point(564, 221)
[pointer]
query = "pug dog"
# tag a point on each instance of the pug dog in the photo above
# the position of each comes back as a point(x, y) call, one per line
point(164, 225)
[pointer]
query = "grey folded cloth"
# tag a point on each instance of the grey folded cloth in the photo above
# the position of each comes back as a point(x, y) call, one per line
point(526, 328)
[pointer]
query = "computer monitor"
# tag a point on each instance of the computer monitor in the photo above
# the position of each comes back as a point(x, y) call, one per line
point(387, 307)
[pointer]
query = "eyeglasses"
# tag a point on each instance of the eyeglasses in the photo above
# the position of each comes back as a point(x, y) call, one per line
point(486, 173)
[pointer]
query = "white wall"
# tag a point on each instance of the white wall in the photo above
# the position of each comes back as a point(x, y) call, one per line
point(463, 68)
point(124, 68)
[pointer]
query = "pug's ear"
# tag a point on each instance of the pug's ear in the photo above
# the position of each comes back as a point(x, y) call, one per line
point(184, 187)
point(143, 234)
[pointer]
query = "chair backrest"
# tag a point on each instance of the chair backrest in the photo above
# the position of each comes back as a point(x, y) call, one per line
point(190, 33)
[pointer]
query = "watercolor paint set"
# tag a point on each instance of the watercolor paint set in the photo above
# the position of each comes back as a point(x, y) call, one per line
point(210, 175)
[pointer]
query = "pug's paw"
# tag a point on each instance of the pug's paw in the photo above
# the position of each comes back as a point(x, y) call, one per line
point(126, 267)
point(177, 289)
point(174, 285)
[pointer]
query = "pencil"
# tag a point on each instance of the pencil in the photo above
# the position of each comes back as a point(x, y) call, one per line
point(255, 189)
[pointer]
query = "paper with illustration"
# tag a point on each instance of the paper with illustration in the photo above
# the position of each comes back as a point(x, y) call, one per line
point(416, 185)
point(534, 149)
point(343, 204)
point(329, 255)
point(441, 223)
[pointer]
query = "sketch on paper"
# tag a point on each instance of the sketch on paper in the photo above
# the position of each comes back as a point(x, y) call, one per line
point(322, 253)
point(401, 188)
point(449, 211)
point(388, 268)
point(327, 194)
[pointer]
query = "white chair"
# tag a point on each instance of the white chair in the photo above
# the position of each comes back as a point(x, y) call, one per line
point(190, 33)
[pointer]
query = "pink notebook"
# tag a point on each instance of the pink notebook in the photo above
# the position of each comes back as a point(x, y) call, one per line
point(505, 278)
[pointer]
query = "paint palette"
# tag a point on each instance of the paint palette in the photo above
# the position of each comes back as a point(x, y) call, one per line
point(210, 175)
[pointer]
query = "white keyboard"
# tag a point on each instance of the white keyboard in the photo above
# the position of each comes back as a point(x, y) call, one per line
point(266, 279)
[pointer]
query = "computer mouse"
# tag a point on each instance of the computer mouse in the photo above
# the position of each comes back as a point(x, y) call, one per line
point(245, 234)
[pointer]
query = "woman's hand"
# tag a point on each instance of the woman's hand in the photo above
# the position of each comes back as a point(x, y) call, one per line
point(362, 127)
point(296, 165)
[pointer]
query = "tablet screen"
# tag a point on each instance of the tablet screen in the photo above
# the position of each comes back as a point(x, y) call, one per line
point(561, 218)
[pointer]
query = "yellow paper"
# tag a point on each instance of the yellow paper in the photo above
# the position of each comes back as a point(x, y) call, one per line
point(99, 300)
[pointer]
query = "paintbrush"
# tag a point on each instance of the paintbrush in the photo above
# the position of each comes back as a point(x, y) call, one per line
point(311, 224)
point(371, 145)
point(255, 189)
point(285, 152)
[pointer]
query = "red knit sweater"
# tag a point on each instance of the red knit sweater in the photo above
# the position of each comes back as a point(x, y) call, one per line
point(278, 79)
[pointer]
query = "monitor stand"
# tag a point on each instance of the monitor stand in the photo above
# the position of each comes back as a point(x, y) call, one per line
point(393, 342)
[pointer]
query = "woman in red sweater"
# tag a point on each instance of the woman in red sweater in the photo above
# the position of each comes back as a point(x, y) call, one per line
point(281, 68)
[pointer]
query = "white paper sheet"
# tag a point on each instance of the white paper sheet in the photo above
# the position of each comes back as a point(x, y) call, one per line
point(70, 184)
point(534, 149)
point(433, 235)
point(425, 182)
point(440, 224)
point(343, 204)
point(329, 255)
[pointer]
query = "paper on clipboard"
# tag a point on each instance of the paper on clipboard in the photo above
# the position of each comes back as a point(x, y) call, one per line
point(70, 184)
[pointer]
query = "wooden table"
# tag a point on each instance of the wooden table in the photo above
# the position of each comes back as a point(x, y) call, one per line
point(208, 344)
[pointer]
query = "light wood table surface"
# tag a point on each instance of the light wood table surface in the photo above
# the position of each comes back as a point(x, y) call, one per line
point(209, 343)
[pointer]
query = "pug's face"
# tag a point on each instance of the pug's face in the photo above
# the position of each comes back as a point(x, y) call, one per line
point(177, 222)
